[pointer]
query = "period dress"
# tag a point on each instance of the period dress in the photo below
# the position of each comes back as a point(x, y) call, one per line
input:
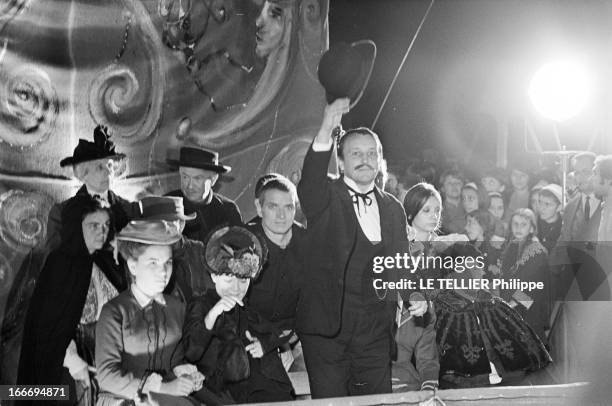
point(135, 337)
point(475, 329)
point(232, 374)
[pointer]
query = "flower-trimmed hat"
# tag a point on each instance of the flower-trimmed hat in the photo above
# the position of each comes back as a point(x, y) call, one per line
point(234, 250)
point(101, 147)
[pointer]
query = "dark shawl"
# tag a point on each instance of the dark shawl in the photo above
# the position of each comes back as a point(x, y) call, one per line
point(58, 300)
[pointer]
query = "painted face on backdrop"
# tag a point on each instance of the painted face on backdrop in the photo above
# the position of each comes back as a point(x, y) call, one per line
point(95, 230)
point(496, 207)
point(469, 200)
point(360, 160)
point(428, 218)
point(451, 188)
point(152, 269)
point(270, 24)
point(197, 183)
point(521, 227)
point(473, 229)
point(277, 211)
point(230, 285)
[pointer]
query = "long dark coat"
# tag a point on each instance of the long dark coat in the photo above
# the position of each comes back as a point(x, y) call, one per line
point(58, 300)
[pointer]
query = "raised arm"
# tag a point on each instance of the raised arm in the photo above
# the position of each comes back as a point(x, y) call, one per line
point(313, 189)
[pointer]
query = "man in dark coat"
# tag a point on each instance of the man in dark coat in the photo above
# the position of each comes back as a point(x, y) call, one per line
point(199, 170)
point(274, 294)
point(344, 323)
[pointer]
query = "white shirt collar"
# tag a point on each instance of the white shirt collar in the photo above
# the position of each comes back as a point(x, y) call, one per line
point(351, 183)
point(144, 300)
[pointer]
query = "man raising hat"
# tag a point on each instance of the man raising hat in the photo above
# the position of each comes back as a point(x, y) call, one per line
point(199, 170)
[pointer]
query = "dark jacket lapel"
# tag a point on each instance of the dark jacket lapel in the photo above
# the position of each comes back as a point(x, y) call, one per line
point(385, 213)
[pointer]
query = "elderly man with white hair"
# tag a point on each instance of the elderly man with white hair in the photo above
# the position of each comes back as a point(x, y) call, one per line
point(93, 164)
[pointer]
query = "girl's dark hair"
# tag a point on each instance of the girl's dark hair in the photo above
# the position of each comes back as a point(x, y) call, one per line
point(417, 196)
point(74, 212)
point(486, 221)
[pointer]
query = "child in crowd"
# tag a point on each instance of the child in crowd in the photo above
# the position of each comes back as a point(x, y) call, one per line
point(139, 355)
point(525, 258)
point(534, 197)
point(416, 336)
point(480, 229)
point(494, 180)
point(519, 198)
point(497, 207)
point(549, 218)
point(473, 197)
point(225, 338)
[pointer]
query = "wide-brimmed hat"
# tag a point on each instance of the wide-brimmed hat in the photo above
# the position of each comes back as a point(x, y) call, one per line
point(345, 69)
point(234, 250)
point(154, 232)
point(169, 208)
point(199, 158)
point(101, 147)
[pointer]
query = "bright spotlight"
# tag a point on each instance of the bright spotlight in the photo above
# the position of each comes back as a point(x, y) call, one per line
point(560, 90)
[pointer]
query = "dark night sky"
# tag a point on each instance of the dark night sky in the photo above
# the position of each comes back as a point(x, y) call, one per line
point(466, 78)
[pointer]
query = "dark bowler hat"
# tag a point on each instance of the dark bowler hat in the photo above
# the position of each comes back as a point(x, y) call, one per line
point(199, 158)
point(102, 147)
point(167, 208)
point(345, 69)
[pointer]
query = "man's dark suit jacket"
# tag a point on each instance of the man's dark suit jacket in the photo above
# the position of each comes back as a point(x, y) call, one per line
point(330, 239)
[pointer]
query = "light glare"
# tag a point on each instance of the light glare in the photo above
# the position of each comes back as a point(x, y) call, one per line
point(560, 90)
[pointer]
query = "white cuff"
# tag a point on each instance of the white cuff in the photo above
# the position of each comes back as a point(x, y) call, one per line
point(72, 361)
point(153, 383)
point(322, 146)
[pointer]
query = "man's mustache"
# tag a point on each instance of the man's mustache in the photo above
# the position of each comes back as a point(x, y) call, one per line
point(364, 166)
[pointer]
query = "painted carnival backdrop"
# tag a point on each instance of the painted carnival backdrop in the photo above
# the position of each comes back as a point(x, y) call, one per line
point(160, 74)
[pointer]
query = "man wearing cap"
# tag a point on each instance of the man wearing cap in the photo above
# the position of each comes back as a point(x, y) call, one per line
point(92, 164)
point(199, 170)
point(344, 322)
